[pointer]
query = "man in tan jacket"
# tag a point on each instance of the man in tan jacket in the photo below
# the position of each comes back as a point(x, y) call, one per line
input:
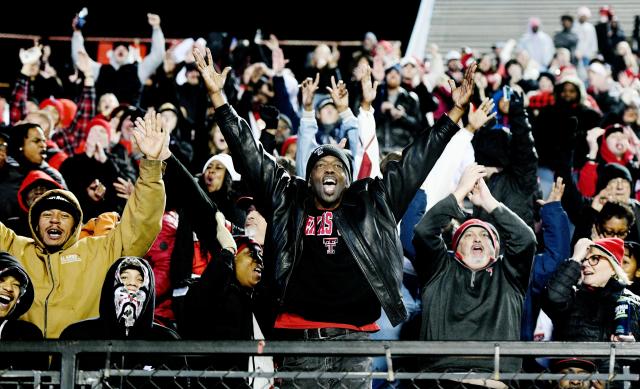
point(68, 273)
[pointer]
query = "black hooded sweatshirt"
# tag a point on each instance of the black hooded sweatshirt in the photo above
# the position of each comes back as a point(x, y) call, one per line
point(108, 326)
point(13, 329)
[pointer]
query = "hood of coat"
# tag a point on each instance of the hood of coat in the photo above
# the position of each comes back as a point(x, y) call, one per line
point(35, 177)
point(126, 312)
point(10, 266)
point(38, 206)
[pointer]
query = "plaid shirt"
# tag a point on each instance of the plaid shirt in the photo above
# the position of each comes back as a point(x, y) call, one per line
point(541, 100)
point(19, 99)
point(68, 139)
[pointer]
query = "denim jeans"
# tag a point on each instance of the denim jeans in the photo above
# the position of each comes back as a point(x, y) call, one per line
point(328, 364)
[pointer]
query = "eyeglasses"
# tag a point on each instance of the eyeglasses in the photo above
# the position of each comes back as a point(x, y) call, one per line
point(613, 234)
point(593, 260)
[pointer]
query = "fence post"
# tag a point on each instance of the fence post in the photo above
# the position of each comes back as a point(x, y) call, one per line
point(68, 368)
point(496, 362)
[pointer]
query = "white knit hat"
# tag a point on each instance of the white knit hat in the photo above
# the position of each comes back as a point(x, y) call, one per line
point(226, 160)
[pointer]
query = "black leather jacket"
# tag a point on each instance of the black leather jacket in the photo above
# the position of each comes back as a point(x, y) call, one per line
point(369, 213)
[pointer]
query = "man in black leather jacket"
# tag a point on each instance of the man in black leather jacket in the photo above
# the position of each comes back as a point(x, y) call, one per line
point(338, 254)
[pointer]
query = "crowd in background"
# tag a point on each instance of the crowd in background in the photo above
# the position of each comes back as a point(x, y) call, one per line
point(475, 195)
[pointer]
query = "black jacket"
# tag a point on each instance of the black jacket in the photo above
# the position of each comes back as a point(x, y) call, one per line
point(395, 134)
point(108, 327)
point(517, 184)
point(580, 313)
point(368, 214)
point(13, 329)
point(461, 304)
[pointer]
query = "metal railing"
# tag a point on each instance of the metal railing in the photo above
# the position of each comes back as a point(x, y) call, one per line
point(70, 352)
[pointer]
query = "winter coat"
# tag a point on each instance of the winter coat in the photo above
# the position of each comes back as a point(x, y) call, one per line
point(557, 246)
point(111, 325)
point(461, 304)
point(13, 329)
point(368, 214)
point(65, 281)
point(581, 313)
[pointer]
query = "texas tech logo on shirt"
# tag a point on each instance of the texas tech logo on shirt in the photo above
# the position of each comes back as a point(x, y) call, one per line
point(323, 226)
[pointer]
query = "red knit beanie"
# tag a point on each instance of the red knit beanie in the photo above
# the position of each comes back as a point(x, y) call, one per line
point(614, 248)
point(476, 223)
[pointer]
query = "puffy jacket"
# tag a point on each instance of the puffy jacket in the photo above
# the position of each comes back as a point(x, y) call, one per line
point(583, 314)
point(369, 212)
point(67, 282)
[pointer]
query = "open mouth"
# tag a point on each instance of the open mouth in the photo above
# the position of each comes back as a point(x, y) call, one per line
point(4, 301)
point(54, 233)
point(477, 249)
point(329, 184)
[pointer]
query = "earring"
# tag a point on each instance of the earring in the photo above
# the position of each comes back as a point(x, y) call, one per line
point(20, 149)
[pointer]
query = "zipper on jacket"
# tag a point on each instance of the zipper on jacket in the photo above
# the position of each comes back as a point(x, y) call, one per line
point(46, 300)
point(473, 279)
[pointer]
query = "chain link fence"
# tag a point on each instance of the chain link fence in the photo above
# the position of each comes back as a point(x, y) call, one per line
point(205, 364)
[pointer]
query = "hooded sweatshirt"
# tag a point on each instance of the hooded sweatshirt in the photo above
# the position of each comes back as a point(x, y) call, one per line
point(65, 280)
point(124, 315)
point(19, 224)
point(13, 329)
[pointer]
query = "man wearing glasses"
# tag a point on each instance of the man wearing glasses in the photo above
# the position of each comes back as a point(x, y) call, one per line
point(584, 293)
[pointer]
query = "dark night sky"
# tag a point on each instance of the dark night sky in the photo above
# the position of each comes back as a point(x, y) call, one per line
point(328, 19)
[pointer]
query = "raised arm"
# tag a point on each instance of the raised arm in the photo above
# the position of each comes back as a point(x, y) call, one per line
point(30, 60)
point(557, 238)
point(431, 250)
point(368, 156)
point(266, 178)
point(517, 238)
point(457, 156)
point(348, 122)
point(524, 159)
point(86, 103)
point(281, 97)
point(77, 45)
point(142, 216)
point(403, 179)
point(308, 125)
point(155, 57)
point(559, 295)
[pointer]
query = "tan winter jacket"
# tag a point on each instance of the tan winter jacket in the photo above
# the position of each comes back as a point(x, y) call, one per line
point(68, 282)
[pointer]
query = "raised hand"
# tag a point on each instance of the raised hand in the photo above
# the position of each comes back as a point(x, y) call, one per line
point(482, 115)
point(462, 94)
point(468, 181)
point(124, 188)
point(154, 20)
point(278, 62)
point(592, 140)
point(339, 94)
point(30, 59)
point(581, 248)
point(213, 80)
point(481, 196)
point(601, 199)
point(223, 235)
point(309, 88)
point(272, 43)
point(369, 90)
point(557, 190)
point(151, 138)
